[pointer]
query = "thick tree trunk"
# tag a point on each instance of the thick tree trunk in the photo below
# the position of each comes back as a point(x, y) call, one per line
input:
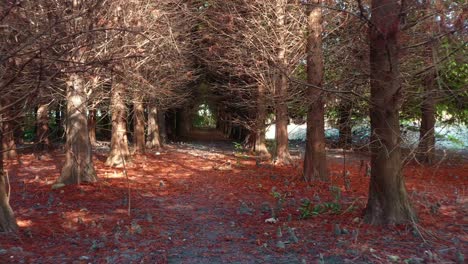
point(281, 91)
point(260, 146)
point(315, 162)
point(344, 124)
point(92, 124)
point(8, 140)
point(388, 200)
point(138, 124)
point(119, 152)
point(7, 218)
point(79, 165)
point(42, 129)
point(8, 129)
point(153, 138)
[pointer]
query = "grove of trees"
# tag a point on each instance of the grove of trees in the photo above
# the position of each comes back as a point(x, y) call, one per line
point(75, 73)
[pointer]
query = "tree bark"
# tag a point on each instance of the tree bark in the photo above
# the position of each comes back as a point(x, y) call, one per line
point(42, 130)
point(8, 139)
point(162, 127)
point(138, 124)
point(426, 147)
point(344, 124)
point(79, 165)
point(153, 137)
point(315, 161)
point(388, 200)
point(260, 146)
point(282, 118)
point(119, 152)
point(92, 124)
point(7, 218)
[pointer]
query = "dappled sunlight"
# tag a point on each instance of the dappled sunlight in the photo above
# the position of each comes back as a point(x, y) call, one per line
point(181, 199)
point(24, 223)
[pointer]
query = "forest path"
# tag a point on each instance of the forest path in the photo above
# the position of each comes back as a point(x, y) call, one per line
point(200, 202)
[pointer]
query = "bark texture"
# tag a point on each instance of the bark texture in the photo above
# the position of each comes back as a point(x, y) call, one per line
point(426, 147)
point(153, 137)
point(138, 124)
point(260, 146)
point(388, 200)
point(281, 90)
point(92, 124)
point(8, 140)
point(315, 163)
point(79, 165)
point(162, 127)
point(7, 217)
point(119, 152)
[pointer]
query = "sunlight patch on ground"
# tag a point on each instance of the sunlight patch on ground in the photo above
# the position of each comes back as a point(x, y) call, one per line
point(24, 223)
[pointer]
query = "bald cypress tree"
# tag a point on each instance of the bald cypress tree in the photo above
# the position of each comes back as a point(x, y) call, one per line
point(388, 200)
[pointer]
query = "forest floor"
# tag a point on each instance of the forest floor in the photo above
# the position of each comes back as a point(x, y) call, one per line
point(205, 203)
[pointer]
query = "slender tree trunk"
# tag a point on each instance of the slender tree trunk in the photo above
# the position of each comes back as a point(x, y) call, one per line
point(153, 137)
point(79, 165)
point(119, 152)
point(426, 147)
point(138, 124)
point(42, 130)
point(344, 123)
point(59, 120)
point(426, 151)
point(92, 124)
point(260, 146)
point(281, 91)
point(315, 162)
point(162, 127)
point(388, 200)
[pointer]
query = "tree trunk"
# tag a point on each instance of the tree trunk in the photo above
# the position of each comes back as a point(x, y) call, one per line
point(8, 139)
point(119, 152)
point(260, 146)
point(426, 147)
point(79, 165)
point(184, 123)
point(59, 120)
point(388, 200)
point(315, 162)
point(92, 124)
point(162, 127)
point(42, 131)
point(7, 218)
point(153, 138)
point(138, 124)
point(344, 124)
point(282, 118)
